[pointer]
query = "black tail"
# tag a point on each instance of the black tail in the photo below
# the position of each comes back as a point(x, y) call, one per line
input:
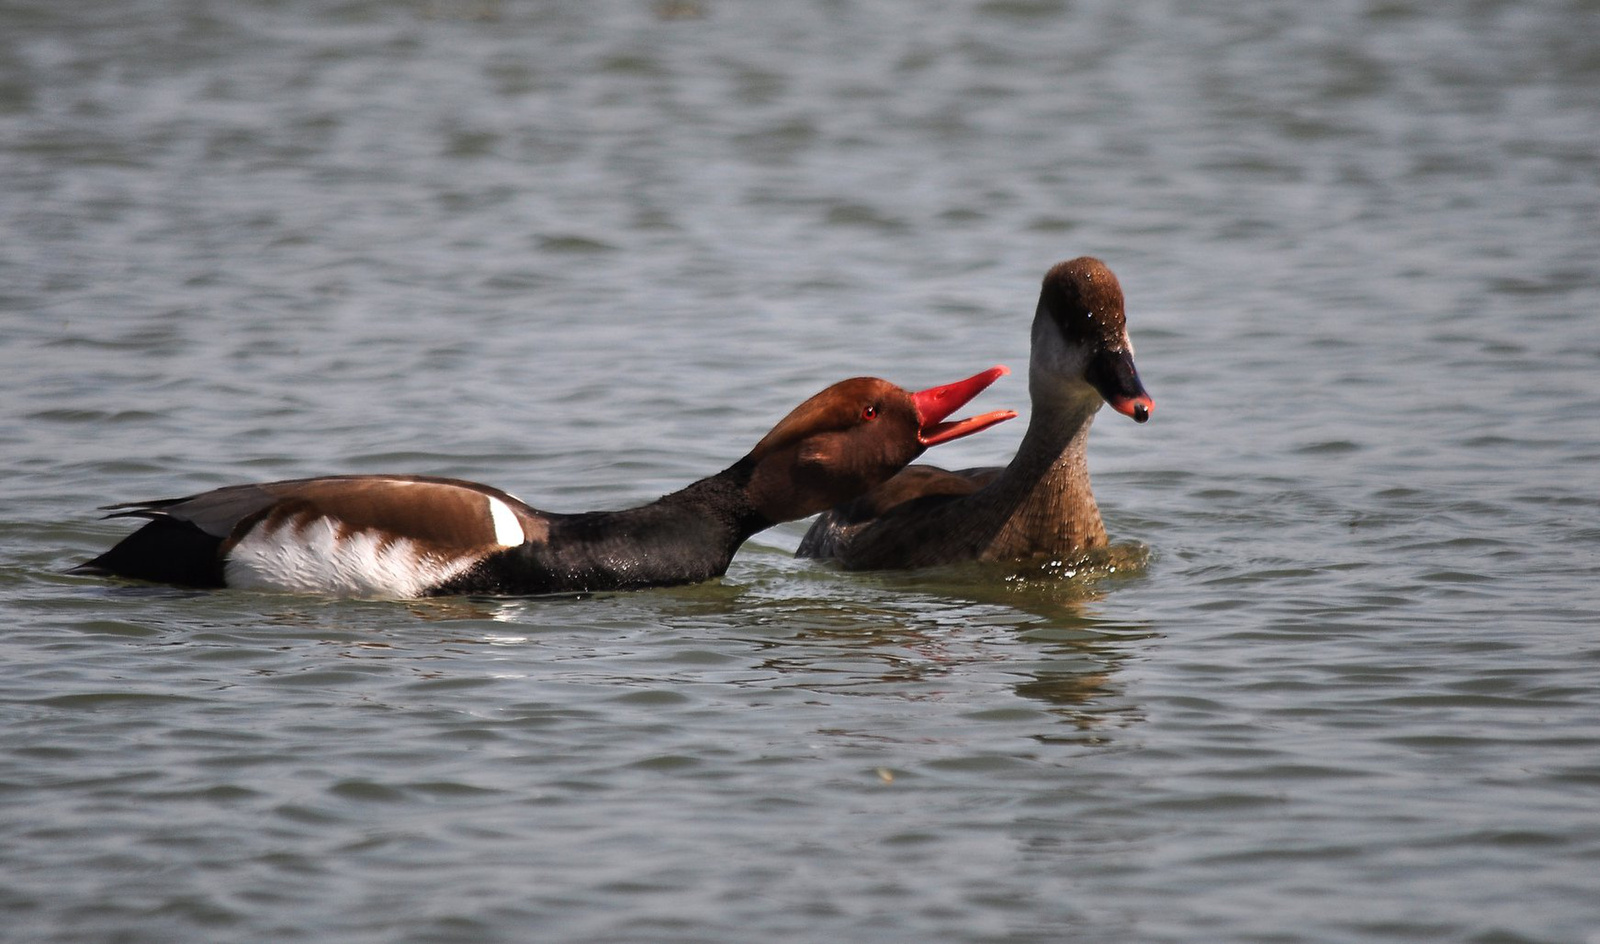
point(163, 551)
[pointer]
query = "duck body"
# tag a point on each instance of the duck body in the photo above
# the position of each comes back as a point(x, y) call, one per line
point(1041, 504)
point(404, 536)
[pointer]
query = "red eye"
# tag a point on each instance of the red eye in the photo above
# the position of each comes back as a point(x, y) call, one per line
point(870, 413)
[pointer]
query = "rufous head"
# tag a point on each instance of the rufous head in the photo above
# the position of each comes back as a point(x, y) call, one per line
point(855, 435)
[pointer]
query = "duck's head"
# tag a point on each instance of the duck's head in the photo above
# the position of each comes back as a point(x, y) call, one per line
point(1080, 340)
point(853, 436)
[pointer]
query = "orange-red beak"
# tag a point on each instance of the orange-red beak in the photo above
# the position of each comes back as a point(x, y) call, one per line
point(936, 403)
point(1113, 374)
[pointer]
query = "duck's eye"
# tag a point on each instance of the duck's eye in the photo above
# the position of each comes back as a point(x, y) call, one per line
point(869, 412)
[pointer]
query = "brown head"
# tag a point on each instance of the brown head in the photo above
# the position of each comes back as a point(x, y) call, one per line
point(1080, 336)
point(853, 436)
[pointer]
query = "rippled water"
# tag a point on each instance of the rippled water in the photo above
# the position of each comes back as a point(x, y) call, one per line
point(589, 252)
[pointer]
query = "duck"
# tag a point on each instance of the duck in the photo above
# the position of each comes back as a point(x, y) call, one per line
point(412, 536)
point(1041, 503)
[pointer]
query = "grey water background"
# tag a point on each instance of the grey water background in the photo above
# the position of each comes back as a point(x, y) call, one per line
point(590, 252)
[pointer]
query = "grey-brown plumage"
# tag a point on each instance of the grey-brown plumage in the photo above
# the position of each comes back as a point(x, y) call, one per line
point(1039, 504)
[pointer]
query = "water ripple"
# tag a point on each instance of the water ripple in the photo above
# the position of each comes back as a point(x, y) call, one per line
point(1339, 654)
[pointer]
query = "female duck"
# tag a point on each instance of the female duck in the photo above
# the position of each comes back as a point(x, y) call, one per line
point(1041, 503)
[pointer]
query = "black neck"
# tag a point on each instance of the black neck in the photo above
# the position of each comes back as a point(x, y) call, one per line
point(715, 514)
point(685, 537)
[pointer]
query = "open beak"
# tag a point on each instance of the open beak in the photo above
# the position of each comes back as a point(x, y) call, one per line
point(936, 403)
point(1113, 374)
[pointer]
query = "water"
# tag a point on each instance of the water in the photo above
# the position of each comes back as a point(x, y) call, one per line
point(591, 252)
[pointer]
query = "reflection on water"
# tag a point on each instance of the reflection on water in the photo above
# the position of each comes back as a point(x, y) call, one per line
point(1028, 629)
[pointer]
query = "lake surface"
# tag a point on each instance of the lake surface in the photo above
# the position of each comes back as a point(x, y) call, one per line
point(1349, 691)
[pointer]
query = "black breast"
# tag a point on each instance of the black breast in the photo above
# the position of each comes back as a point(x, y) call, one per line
point(661, 544)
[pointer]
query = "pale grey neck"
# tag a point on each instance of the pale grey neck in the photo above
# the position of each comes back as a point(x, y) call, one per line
point(1044, 495)
point(1054, 450)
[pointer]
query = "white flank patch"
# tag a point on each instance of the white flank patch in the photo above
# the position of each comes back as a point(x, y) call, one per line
point(507, 529)
point(315, 559)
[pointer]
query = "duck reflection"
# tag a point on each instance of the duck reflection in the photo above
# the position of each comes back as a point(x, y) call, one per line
point(1030, 626)
point(945, 634)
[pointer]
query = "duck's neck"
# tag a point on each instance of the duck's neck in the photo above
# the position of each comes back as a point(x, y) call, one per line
point(1044, 493)
point(719, 507)
point(685, 537)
